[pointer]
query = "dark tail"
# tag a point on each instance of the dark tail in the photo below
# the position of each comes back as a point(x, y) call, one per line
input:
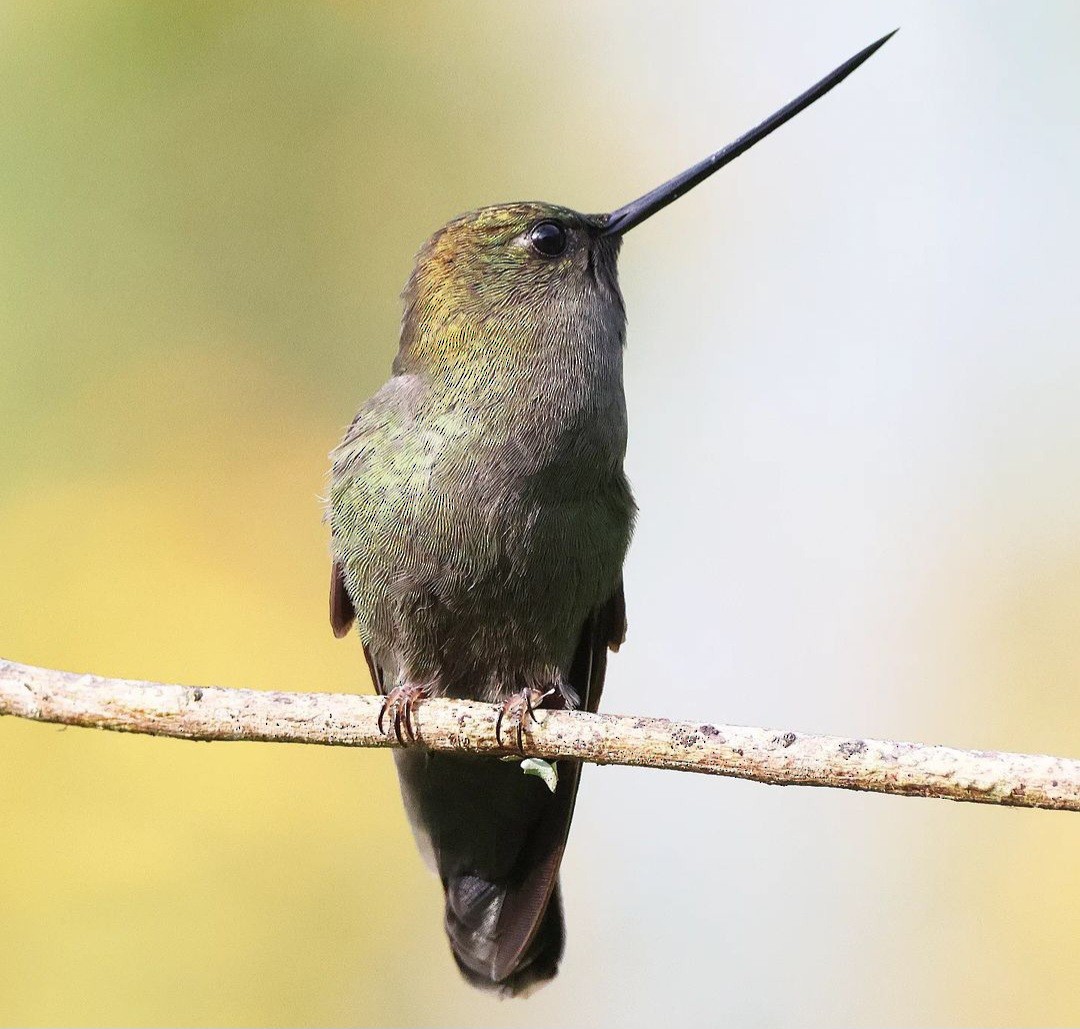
point(496, 837)
point(472, 908)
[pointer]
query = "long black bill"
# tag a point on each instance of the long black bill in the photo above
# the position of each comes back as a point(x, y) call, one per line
point(635, 212)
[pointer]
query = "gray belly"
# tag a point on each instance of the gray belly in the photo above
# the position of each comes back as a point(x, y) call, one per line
point(502, 607)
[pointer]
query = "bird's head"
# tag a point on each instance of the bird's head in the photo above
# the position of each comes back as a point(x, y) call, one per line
point(511, 275)
point(512, 281)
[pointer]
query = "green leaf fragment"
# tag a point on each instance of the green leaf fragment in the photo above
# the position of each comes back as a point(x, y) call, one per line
point(541, 769)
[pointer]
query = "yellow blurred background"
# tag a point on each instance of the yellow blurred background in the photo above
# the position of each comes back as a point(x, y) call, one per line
point(854, 392)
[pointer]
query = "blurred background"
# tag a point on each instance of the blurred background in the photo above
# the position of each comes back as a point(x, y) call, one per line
point(854, 387)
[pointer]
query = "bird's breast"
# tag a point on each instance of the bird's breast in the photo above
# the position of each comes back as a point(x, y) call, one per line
point(480, 521)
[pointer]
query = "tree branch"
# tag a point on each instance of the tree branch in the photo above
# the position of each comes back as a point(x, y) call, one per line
point(763, 755)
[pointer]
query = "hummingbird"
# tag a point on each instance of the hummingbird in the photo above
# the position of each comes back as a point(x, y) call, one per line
point(479, 518)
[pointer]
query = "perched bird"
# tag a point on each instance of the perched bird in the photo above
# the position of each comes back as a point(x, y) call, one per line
point(479, 519)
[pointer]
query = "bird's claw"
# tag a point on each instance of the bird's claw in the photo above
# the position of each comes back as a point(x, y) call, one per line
point(398, 706)
point(518, 708)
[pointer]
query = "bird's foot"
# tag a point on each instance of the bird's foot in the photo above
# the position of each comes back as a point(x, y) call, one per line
point(517, 709)
point(398, 707)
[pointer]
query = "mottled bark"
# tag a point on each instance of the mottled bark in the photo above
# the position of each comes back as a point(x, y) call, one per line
point(780, 757)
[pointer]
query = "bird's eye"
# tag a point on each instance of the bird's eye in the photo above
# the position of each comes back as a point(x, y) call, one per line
point(548, 238)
